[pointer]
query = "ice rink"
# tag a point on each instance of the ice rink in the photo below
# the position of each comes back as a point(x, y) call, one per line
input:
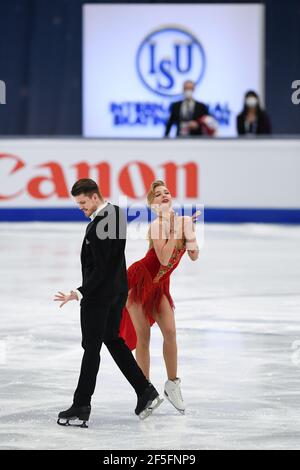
point(237, 312)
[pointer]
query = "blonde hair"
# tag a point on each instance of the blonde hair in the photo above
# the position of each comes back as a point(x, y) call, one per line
point(151, 192)
point(150, 198)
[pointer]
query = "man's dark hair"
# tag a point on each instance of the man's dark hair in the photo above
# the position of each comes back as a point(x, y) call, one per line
point(87, 187)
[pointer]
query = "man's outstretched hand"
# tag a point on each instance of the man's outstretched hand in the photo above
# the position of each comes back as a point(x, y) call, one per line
point(64, 298)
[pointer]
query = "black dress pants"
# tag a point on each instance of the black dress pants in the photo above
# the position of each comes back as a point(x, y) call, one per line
point(100, 322)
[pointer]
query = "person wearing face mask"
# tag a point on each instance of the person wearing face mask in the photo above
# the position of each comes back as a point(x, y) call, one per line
point(187, 114)
point(253, 120)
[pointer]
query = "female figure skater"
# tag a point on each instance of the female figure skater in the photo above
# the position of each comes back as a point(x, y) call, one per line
point(149, 298)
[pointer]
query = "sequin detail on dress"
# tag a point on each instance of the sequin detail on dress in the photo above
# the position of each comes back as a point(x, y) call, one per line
point(175, 258)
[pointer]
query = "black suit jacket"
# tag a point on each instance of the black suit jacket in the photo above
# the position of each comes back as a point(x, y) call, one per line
point(263, 125)
point(103, 256)
point(175, 117)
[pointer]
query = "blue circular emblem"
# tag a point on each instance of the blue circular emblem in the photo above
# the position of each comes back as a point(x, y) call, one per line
point(167, 57)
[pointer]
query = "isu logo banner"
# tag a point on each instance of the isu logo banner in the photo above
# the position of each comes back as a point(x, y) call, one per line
point(167, 57)
point(40, 181)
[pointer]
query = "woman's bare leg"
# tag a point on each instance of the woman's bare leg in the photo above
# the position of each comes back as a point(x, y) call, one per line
point(166, 322)
point(142, 328)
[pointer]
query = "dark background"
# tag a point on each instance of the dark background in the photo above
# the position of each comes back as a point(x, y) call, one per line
point(41, 61)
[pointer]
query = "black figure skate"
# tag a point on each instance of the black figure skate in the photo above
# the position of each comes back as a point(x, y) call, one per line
point(80, 413)
point(148, 402)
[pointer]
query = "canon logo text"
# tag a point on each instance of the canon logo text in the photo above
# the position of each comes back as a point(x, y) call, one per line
point(53, 180)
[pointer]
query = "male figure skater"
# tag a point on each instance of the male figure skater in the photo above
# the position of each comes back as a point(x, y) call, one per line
point(103, 295)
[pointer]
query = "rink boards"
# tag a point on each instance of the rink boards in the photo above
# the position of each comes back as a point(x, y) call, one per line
point(235, 180)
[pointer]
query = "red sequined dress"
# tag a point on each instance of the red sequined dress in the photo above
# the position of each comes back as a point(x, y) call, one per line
point(148, 281)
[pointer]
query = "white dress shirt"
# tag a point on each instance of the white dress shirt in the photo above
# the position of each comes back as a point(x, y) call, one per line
point(187, 109)
point(93, 216)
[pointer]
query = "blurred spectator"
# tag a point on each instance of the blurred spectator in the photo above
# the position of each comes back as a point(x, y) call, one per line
point(253, 120)
point(190, 117)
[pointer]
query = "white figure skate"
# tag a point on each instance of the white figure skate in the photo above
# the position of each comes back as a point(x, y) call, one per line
point(173, 393)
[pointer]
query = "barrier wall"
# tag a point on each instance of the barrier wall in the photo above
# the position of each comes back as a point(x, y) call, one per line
point(236, 180)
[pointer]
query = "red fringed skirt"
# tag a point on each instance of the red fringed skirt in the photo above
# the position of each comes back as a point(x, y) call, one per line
point(148, 282)
point(142, 291)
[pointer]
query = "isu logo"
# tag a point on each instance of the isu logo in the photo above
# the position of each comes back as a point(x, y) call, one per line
point(49, 180)
point(167, 57)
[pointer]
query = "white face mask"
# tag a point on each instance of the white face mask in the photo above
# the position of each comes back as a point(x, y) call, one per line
point(188, 94)
point(251, 102)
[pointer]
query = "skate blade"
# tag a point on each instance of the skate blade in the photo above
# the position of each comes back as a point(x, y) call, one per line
point(182, 412)
point(150, 408)
point(66, 423)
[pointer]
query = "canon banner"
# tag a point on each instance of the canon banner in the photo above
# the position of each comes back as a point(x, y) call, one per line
point(234, 180)
point(137, 57)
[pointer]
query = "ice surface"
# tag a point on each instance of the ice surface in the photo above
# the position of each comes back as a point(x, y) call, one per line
point(238, 326)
